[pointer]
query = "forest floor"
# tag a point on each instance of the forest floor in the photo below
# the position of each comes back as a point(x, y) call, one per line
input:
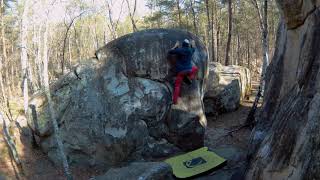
point(224, 137)
point(231, 146)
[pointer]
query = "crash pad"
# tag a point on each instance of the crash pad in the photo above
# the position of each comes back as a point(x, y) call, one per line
point(194, 162)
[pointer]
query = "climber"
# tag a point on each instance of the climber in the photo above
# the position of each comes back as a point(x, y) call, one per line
point(180, 58)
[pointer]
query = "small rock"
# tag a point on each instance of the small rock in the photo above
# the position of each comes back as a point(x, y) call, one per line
point(139, 171)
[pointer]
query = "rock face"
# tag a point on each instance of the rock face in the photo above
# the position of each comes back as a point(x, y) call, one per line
point(117, 106)
point(287, 136)
point(227, 86)
point(140, 171)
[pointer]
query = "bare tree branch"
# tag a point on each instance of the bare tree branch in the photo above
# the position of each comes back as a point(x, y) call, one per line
point(134, 27)
point(65, 40)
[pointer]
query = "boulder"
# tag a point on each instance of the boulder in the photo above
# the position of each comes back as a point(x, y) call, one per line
point(139, 171)
point(285, 141)
point(227, 86)
point(116, 106)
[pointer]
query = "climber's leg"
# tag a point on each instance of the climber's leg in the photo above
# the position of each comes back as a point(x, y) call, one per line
point(177, 87)
point(193, 72)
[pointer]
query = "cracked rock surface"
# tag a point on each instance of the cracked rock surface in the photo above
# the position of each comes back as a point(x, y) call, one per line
point(285, 142)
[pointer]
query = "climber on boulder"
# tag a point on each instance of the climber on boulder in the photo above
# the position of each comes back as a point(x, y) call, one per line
point(181, 59)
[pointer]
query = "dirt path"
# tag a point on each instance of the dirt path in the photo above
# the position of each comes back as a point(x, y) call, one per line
point(36, 165)
point(231, 146)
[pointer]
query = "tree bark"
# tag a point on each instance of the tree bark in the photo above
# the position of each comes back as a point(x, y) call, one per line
point(248, 52)
point(194, 17)
point(50, 105)
point(131, 15)
point(4, 49)
point(212, 32)
point(263, 25)
point(38, 57)
point(65, 41)
point(79, 52)
point(4, 54)
point(227, 58)
point(218, 56)
point(208, 35)
point(10, 143)
point(113, 25)
point(70, 51)
point(2, 89)
point(179, 13)
point(238, 62)
point(24, 55)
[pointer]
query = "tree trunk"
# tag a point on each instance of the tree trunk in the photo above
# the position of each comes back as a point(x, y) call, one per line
point(248, 52)
point(50, 105)
point(227, 59)
point(79, 52)
point(208, 34)
point(70, 52)
point(4, 49)
point(239, 60)
point(194, 17)
point(179, 13)
point(24, 55)
point(213, 30)
point(131, 15)
point(4, 54)
point(112, 26)
point(65, 41)
point(218, 44)
point(3, 95)
point(96, 38)
point(38, 57)
point(263, 25)
point(218, 37)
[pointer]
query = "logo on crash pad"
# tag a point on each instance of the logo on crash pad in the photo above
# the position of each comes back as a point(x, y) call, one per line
point(194, 162)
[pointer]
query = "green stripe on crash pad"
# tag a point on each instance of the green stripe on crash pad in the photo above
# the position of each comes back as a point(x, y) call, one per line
point(194, 163)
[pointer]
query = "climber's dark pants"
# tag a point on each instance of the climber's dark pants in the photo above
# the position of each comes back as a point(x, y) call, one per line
point(179, 78)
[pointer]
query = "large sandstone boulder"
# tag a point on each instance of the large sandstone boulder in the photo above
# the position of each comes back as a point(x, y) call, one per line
point(287, 137)
point(227, 86)
point(117, 106)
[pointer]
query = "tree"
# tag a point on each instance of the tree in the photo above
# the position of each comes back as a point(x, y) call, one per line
point(4, 49)
point(263, 25)
point(24, 55)
point(227, 59)
point(50, 104)
point(4, 54)
point(65, 41)
point(179, 13)
point(113, 25)
point(210, 34)
point(192, 2)
point(131, 15)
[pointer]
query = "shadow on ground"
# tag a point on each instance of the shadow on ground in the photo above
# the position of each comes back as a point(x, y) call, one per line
point(36, 164)
point(231, 146)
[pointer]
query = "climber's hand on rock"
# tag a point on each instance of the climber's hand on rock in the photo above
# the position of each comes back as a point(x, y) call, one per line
point(176, 45)
point(193, 44)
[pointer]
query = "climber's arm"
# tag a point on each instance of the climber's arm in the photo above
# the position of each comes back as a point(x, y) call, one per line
point(177, 51)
